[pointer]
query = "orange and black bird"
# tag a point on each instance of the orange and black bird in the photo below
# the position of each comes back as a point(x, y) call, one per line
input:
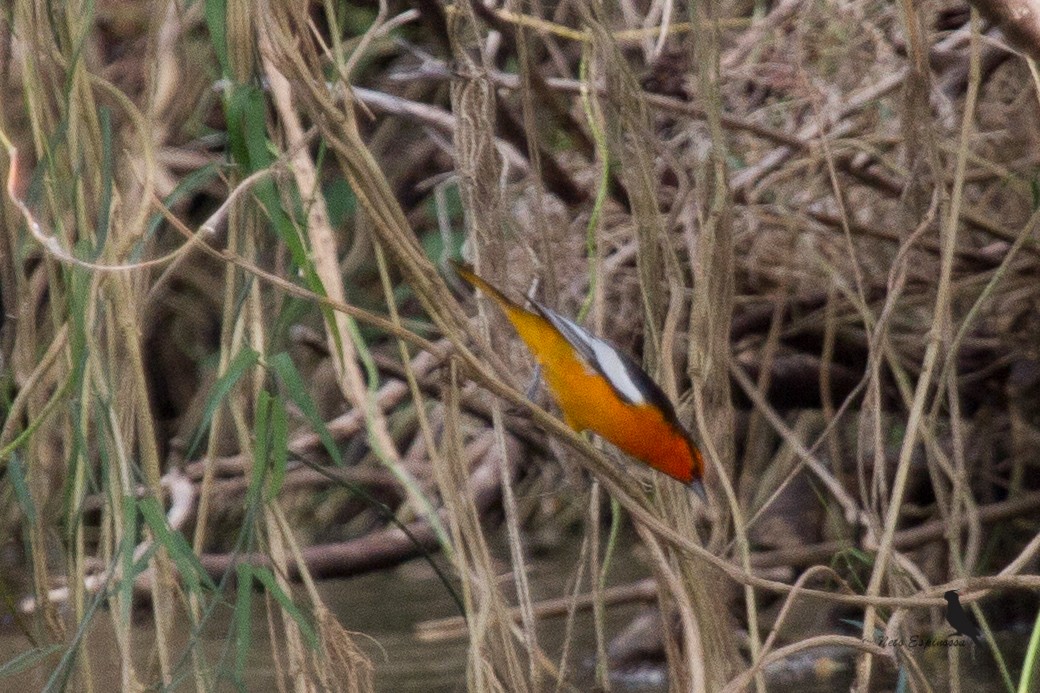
point(601, 389)
point(957, 617)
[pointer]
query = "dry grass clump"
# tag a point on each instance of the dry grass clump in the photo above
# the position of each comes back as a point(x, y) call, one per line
point(232, 361)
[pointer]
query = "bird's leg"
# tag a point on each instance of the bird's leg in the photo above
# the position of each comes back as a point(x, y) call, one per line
point(536, 381)
point(531, 392)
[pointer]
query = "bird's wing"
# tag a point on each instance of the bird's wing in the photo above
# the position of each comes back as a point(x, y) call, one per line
point(626, 378)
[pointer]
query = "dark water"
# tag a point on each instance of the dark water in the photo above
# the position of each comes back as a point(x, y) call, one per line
point(381, 609)
point(387, 610)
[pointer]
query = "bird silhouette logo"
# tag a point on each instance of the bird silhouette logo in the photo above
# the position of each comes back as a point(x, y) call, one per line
point(956, 617)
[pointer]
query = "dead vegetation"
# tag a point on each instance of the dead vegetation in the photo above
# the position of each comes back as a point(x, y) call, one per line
point(230, 351)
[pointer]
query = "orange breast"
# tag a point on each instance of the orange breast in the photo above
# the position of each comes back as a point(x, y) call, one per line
point(589, 403)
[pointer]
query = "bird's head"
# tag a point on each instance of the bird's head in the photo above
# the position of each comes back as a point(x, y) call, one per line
point(951, 595)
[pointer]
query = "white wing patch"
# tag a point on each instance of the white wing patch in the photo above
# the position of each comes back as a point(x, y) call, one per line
point(606, 358)
point(616, 371)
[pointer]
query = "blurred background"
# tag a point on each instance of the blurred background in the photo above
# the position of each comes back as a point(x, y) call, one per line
point(255, 435)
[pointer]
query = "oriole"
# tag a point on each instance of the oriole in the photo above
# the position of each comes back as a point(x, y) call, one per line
point(601, 389)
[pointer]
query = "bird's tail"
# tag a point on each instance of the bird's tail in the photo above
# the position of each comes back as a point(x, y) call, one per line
point(467, 273)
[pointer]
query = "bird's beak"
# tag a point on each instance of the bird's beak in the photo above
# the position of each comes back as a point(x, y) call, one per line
point(697, 486)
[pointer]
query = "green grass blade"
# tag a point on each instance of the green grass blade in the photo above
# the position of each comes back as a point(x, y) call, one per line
point(188, 186)
point(27, 660)
point(242, 362)
point(216, 21)
point(243, 619)
point(279, 446)
point(260, 450)
point(191, 570)
point(1029, 675)
point(21, 488)
point(265, 577)
point(294, 387)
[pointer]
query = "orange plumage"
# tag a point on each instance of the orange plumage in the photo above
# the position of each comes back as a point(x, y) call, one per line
point(600, 389)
